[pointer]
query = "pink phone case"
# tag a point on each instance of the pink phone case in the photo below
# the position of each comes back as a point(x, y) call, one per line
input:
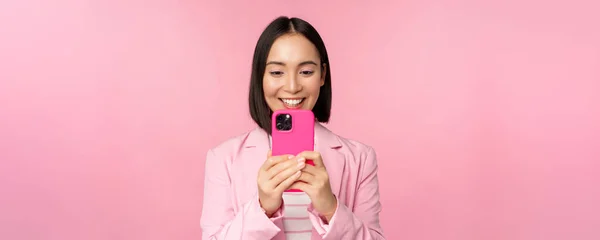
point(301, 136)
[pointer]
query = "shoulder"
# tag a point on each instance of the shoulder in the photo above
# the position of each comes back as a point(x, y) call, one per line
point(230, 145)
point(355, 145)
point(362, 155)
point(220, 158)
point(358, 149)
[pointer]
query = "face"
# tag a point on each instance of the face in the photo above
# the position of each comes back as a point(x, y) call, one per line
point(293, 75)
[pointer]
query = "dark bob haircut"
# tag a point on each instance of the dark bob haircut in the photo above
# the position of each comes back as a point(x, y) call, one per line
point(259, 110)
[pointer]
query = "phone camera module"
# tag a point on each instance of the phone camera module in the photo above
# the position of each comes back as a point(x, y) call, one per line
point(283, 122)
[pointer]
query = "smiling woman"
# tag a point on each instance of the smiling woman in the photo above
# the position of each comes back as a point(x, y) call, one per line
point(245, 193)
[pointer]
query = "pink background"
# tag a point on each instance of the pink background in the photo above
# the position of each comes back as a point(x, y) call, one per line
point(485, 116)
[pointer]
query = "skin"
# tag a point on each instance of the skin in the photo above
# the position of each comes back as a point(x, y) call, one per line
point(294, 71)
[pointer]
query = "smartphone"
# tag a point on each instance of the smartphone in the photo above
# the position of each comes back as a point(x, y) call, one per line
point(293, 131)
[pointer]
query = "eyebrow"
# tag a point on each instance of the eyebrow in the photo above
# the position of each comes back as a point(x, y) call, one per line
point(283, 64)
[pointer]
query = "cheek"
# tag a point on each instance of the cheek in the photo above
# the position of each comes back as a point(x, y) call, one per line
point(269, 87)
point(313, 86)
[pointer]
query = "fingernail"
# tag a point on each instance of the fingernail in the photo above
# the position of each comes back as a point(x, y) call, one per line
point(301, 159)
point(301, 165)
point(290, 157)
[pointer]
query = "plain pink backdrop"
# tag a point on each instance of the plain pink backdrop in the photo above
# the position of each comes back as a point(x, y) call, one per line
point(485, 116)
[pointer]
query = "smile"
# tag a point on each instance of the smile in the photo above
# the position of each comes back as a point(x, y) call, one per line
point(292, 102)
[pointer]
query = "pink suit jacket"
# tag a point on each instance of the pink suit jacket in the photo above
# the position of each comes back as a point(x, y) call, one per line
point(231, 209)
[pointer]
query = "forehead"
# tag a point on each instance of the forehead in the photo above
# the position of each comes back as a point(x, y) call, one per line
point(293, 48)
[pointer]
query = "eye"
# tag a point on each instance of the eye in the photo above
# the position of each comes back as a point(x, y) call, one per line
point(276, 73)
point(307, 72)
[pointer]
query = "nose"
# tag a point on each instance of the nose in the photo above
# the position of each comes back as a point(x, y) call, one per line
point(292, 85)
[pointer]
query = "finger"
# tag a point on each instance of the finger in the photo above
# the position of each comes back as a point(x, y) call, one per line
point(267, 162)
point(314, 156)
point(310, 169)
point(273, 160)
point(286, 173)
point(291, 163)
point(305, 187)
point(307, 178)
point(285, 184)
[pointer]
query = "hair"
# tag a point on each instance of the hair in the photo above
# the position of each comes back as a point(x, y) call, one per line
point(259, 109)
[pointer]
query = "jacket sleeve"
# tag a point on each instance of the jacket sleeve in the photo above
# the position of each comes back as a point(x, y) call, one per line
point(221, 219)
point(362, 222)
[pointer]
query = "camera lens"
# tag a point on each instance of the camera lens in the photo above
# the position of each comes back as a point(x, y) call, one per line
point(280, 117)
point(279, 126)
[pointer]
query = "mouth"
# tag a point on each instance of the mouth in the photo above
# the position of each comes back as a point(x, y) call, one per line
point(292, 103)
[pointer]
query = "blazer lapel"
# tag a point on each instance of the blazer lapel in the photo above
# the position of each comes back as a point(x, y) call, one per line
point(327, 144)
point(257, 138)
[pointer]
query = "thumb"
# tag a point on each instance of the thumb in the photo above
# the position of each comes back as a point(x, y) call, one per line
point(269, 154)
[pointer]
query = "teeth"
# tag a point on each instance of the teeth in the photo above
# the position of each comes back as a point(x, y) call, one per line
point(292, 102)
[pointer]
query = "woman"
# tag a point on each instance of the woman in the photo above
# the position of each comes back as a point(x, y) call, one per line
point(244, 188)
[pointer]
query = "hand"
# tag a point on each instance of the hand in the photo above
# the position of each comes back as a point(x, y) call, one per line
point(276, 175)
point(314, 181)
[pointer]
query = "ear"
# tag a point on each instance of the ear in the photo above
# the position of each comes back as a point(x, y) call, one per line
point(323, 74)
